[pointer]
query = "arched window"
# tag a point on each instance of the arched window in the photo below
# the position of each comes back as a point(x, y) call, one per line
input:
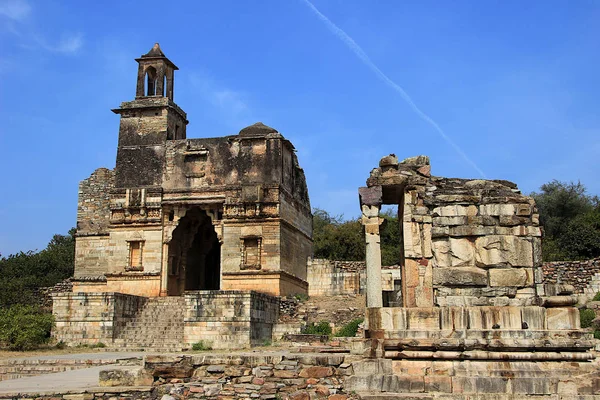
point(164, 91)
point(151, 81)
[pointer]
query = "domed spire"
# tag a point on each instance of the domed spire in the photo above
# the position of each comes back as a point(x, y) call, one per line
point(257, 129)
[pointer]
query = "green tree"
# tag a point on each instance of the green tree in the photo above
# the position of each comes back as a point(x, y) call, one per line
point(22, 274)
point(571, 221)
point(337, 239)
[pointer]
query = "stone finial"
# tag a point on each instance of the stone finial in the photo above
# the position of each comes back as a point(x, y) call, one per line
point(155, 51)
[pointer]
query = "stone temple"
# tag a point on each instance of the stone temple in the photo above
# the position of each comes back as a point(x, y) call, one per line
point(178, 214)
point(198, 239)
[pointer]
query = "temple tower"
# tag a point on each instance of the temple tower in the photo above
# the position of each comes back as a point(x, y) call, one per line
point(148, 122)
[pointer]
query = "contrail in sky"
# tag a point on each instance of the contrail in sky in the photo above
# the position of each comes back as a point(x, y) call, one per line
point(365, 59)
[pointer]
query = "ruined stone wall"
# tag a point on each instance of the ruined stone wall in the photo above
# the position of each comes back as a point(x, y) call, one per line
point(466, 242)
point(485, 243)
point(331, 278)
point(93, 205)
point(583, 275)
point(93, 218)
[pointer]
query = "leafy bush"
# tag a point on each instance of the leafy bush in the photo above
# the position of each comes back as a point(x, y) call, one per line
point(350, 329)
point(24, 327)
point(301, 297)
point(597, 334)
point(586, 316)
point(596, 297)
point(322, 328)
point(202, 346)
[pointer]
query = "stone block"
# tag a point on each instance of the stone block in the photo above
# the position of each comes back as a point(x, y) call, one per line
point(399, 319)
point(412, 240)
point(132, 376)
point(502, 250)
point(316, 372)
point(485, 318)
point(453, 318)
point(497, 209)
point(460, 276)
point(453, 252)
point(511, 277)
point(479, 384)
point(562, 318)
point(534, 317)
point(423, 318)
point(436, 383)
point(364, 383)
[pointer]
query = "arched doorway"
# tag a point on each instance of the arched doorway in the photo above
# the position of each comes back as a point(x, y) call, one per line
point(194, 254)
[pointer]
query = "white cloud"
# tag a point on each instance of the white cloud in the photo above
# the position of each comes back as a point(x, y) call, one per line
point(17, 10)
point(68, 44)
point(230, 102)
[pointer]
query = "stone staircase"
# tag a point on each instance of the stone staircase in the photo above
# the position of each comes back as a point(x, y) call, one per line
point(158, 326)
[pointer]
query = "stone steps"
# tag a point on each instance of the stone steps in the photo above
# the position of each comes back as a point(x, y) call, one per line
point(157, 326)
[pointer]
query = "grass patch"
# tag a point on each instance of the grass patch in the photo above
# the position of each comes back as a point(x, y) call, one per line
point(202, 346)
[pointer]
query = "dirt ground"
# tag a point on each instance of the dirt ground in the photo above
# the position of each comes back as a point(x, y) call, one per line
point(338, 310)
point(48, 351)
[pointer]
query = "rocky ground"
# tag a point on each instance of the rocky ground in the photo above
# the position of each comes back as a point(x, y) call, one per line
point(336, 310)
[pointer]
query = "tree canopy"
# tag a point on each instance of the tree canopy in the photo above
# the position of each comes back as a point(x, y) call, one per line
point(571, 221)
point(338, 239)
point(22, 274)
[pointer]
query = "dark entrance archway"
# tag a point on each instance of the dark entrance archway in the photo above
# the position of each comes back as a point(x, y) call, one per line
point(194, 254)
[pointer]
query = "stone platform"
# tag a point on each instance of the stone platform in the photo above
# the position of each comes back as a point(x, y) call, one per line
point(222, 319)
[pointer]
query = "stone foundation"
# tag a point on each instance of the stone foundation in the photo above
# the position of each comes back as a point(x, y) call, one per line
point(229, 319)
point(222, 319)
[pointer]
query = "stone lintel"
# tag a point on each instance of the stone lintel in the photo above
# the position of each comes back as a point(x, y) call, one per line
point(370, 196)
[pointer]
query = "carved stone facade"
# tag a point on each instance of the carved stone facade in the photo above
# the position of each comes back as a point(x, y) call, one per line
point(179, 214)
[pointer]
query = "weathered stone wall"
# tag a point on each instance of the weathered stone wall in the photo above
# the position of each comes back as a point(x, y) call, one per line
point(229, 319)
point(93, 219)
point(583, 275)
point(331, 278)
point(93, 204)
point(466, 242)
point(92, 318)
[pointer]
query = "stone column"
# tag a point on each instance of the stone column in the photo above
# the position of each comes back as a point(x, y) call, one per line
point(370, 200)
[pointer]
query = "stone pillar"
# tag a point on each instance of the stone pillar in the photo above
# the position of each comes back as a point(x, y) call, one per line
point(370, 200)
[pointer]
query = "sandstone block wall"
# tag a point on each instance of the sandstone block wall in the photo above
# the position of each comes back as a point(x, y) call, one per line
point(466, 242)
point(229, 319)
point(92, 318)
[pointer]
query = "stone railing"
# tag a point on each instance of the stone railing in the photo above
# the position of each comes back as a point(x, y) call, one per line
point(583, 275)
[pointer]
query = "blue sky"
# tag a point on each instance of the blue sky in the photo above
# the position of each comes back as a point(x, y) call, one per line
point(513, 84)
